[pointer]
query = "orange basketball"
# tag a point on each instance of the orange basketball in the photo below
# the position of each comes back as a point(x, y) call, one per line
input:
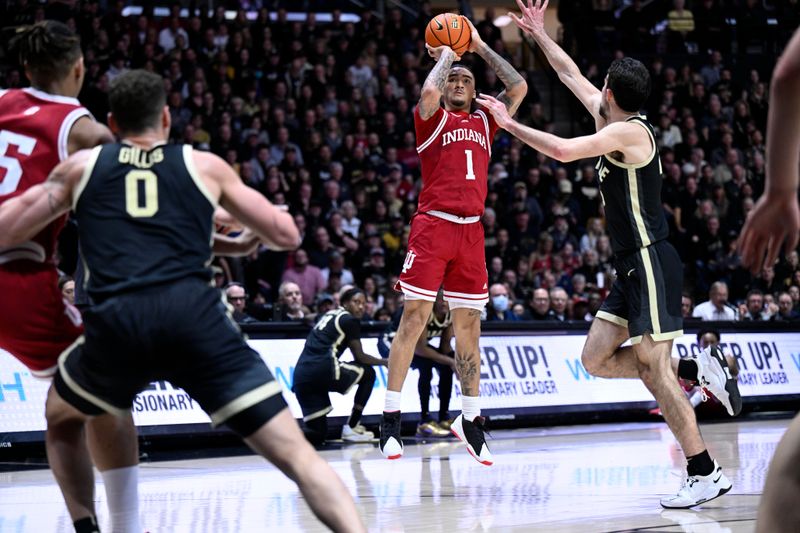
point(448, 29)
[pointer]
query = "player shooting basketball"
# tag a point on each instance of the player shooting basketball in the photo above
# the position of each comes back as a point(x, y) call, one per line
point(446, 245)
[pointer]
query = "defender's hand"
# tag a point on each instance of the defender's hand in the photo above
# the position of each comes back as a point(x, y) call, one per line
point(497, 109)
point(532, 19)
point(771, 222)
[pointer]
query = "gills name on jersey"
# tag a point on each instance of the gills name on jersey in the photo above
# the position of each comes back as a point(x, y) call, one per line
point(463, 134)
point(133, 155)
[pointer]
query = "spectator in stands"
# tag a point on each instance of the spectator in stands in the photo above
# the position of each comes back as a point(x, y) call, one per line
point(67, 287)
point(558, 304)
point(290, 308)
point(324, 303)
point(717, 307)
point(295, 105)
point(499, 306)
point(794, 292)
point(753, 310)
point(236, 296)
point(336, 265)
point(595, 300)
point(307, 277)
point(687, 305)
point(540, 306)
point(786, 312)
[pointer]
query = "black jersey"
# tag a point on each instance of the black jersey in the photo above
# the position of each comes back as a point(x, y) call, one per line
point(631, 197)
point(331, 335)
point(144, 217)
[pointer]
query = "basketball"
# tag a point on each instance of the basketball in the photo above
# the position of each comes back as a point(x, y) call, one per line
point(448, 29)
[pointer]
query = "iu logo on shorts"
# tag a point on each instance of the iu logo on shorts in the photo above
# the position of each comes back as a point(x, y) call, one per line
point(409, 261)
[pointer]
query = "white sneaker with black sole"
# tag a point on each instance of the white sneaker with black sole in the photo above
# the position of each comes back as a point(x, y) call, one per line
point(698, 489)
point(714, 374)
point(471, 433)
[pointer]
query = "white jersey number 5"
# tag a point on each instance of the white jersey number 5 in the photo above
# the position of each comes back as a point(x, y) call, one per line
point(25, 145)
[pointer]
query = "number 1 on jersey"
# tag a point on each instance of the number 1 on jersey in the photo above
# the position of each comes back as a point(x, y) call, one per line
point(470, 170)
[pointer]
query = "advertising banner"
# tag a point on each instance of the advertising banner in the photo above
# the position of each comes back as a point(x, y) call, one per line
point(517, 372)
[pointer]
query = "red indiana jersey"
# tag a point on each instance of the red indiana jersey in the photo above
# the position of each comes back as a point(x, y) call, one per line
point(34, 130)
point(455, 149)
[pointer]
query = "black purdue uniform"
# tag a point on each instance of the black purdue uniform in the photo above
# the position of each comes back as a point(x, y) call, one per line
point(145, 223)
point(319, 370)
point(646, 296)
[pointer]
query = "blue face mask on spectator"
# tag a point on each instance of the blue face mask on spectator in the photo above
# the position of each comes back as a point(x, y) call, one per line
point(500, 303)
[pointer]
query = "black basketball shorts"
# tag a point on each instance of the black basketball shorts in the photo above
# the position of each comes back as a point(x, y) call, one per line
point(315, 378)
point(646, 296)
point(181, 332)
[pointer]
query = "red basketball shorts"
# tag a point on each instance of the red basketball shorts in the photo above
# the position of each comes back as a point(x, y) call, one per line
point(442, 253)
point(36, 325)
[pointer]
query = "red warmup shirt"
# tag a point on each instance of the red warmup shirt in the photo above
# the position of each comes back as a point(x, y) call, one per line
point(455, 149)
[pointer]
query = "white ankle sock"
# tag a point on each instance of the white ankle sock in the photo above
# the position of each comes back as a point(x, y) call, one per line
point(470, 407)
point(392, 402)
point(122, 492)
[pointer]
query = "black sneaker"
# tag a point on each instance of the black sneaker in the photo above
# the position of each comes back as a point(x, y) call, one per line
point(471, 434)
point(391, 445)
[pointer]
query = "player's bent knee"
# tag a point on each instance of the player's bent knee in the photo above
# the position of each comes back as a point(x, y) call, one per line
point(369, 375)
point(591, 362)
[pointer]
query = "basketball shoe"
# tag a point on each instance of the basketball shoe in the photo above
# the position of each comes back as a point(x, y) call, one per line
point(698, 489)
point(471, 434)
point(357, 434)
point(714, 374)
point(391, 445)
point(431, 429)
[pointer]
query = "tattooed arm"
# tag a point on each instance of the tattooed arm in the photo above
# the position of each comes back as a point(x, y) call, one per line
point(434, 84)
point(26, 215)
point(516, 86)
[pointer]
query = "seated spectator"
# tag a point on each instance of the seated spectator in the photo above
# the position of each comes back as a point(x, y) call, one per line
point(558, 304)
point(753, 309)
point(594, 230)
point(351, 224)
point(595, 301)
point(578, 285)
point(786, 312)
point(794, 292)
point(540, 306)
point(717, 307)
point(290, 303)
point(306, 276)
point(687, 305)
point(336, 265)
point(236, 296)
point(324, 303)
point(67, 287)
point(499, 307)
